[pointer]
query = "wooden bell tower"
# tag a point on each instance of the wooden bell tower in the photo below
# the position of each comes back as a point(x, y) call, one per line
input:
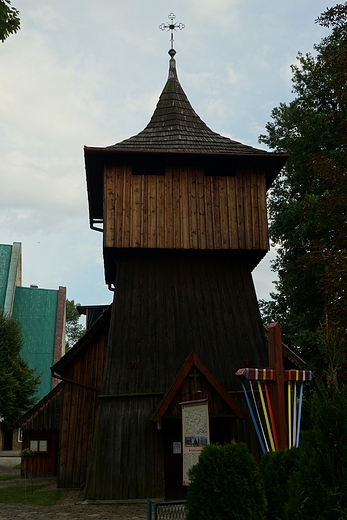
point(183, 214)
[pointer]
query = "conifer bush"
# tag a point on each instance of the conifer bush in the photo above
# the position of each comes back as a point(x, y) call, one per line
point(276, 468)
point(226, 484)
point(319, 489)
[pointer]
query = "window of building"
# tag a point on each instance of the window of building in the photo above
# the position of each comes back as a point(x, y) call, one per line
point(40, 445)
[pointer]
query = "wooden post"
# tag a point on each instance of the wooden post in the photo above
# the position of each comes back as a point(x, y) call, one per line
point(277, 390)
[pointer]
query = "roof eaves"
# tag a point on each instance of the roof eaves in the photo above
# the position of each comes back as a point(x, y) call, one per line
point(81, 344)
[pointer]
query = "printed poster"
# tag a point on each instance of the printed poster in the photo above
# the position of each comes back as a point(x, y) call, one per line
point(196, 433)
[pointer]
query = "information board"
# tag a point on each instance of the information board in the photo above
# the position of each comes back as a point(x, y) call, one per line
point(196, 433)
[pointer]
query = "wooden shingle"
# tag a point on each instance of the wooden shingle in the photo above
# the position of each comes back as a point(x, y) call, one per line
point(175, 127)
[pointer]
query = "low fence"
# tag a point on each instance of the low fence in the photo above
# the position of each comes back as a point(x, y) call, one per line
point(175, 510)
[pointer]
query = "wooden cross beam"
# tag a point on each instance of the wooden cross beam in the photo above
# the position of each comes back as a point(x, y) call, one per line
point(268, 374)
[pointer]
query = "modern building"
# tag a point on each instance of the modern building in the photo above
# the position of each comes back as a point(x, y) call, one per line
point(41, 313)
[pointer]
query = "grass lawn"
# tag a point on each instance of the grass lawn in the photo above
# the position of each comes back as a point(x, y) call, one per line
point(8, 477)
point(32, 495)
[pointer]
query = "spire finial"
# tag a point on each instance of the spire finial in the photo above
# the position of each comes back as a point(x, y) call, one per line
point(171, 27)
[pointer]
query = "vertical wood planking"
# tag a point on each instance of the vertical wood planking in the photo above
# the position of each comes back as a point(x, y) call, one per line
point(255, 213)
point(216, 202)
point(160, 211)
point(135, 224)
point(152, 211)
point(176, 207)
point(224, 219)
point(209, 213)
point(144, 206)
point(263, 212)
point(201, 212)
point(240, 212)
point(193, 212)
point(247, 211)
point(119, 194)
point(232, 213)
point(76, 435)
point(168, 210)
point(127, 209)
point(109, 205)
point(184, 209)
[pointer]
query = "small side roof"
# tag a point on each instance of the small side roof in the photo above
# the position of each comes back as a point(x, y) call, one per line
point(45, 415)
point(82, 343)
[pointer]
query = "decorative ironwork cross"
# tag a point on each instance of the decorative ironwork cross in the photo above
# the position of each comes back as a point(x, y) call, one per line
point(171, 27)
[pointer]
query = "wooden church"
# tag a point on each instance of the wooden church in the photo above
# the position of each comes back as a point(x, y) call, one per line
point(183, 214)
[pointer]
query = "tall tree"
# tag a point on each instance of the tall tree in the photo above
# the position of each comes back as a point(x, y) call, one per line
point(308, 203)
point(9, 19)
point(18, 383)
point(74, 329)
point(323, 449)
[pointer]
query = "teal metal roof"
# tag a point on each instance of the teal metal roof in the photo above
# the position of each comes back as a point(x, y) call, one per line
point(10, 274)
point(36, 310)
point(5, 260)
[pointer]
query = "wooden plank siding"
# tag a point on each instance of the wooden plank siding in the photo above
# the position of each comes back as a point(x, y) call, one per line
point(123, 464)
point(168, 307)
point(45, 415)
point(165, 307)
point(42, 423)
point(43, 464)
point(184, 209)
point(79, 409)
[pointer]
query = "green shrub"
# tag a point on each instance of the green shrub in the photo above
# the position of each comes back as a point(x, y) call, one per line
point(319, 490)
point(225, 484)
point(277, 468)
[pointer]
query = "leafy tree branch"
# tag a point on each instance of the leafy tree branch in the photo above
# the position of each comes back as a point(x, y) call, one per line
point(9, 19)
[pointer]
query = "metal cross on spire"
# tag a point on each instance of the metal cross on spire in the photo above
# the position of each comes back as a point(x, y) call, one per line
point(171, 27)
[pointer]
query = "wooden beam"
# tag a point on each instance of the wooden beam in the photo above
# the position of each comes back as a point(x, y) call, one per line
point(277, 389)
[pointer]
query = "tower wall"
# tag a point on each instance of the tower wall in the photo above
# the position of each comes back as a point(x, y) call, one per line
point(166, 306)
point(184, 209)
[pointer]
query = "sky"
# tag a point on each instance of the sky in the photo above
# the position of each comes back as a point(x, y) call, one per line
point(90, 73)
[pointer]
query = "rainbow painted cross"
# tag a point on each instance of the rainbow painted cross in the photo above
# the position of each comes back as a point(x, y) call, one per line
point(277, 423)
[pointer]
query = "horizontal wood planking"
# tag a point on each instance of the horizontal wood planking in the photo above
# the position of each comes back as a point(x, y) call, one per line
point(184, 209)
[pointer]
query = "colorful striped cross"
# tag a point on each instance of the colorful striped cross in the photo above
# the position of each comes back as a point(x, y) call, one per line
point(277, 424)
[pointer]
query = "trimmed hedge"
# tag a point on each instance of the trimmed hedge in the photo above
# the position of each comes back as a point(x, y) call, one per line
point(226, 484)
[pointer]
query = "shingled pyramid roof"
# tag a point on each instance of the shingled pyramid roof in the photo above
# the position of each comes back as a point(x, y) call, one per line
point(175, 127)
point(175, 135)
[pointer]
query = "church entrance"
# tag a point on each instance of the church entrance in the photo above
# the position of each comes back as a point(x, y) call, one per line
point(221, 432)
point(173, 462)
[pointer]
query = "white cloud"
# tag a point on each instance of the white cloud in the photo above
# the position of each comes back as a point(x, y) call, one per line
point(217, 107)
point(264, 277)
point(233, 76)
point(223, 13)
point(91, 73)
